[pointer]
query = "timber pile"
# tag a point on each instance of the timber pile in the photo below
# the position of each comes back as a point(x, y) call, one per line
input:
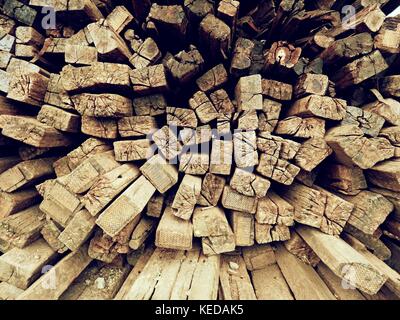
point(200, 150)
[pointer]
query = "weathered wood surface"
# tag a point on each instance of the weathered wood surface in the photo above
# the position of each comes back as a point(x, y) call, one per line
point(309, 286)
point(191, 137)
point(318, 208)
point(360, 70)
point(203, 107)
point(265, 233)
point(181, 117)
point(186, 196)
point(282, 55)
point(221, 157)
point(315, 105)
point(249, 184)
point(78, 230)
point(301, 127)
point(132, 150)
point(25, 174)
point(277, 146)
point(21, 228)
point(142, 231)
point(392, 196)
point(242, 57)
point(9, 292)
point(185, 65)
point(370, 123)
point(50, 232)
point(389, 85)
point(277, 90)
point(351, 147)
point(95, 76)
point(65, 271)
point(270, 284)
point(269, 117)
point(136, 126)
point(85, 175)
point(17, 201)
point(149, 80)
point(248, 93)
point(150, 105)
point(335, 284)
point(388, 108)
point(213, 78)
point(372, 242)
point(160, 173)
point(174, 232)
point(258, 257)
point(97, 283)
point(167, 143)
point(135, 197)
point(234, 279)
point(365, 216)
point(186, 275)
point(215, 245)
point(298, 247)
point(110, 46)
point(80, 55)
point(268, 131)
point(340, 257)
point(135, 272)
point(102, 105)
point(344, 179)
point(243, 228)
point(215, 37)
point(21, 267)
point(385, 175)
point(311, 153)
point(387, 40)
point(147, 53)
point(211, 190)
point(60, 203)
point(59, 119)
point(170, 21)
point(194, 163)
point(209, 221)
point(279, 170)
point(74, 158)
point(239, 202)
point(309, 83)
point(28, 87)
point(273, 210)
point(108, 186)
point(32, 132)
point(245, 149)
point(345, 49)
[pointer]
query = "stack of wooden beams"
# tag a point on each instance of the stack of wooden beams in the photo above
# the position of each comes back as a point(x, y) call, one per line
point(199, 149)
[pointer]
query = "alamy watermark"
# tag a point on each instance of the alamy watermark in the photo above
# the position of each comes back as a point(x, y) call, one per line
point(349, 18)
point(349, 276)
point(49, 18)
